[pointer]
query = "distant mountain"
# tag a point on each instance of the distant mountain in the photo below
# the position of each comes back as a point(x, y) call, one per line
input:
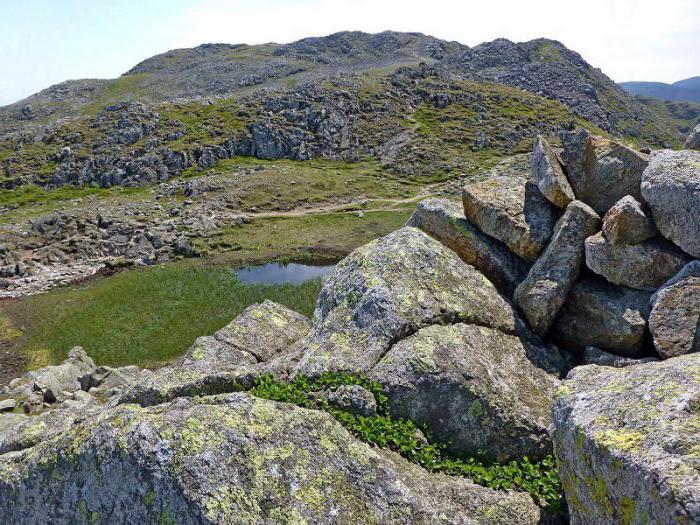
point(687, 90)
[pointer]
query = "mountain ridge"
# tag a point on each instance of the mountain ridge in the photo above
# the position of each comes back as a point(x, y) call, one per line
point(683, 90)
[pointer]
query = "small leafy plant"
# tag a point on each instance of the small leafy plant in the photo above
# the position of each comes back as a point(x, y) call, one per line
point(540, 479)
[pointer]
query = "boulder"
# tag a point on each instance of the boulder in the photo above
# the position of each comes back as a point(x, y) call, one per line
point(548, 174)
point(596, 356)
point(693, 140)
point(354, 399)
point(220, 363)
point(544, 290)
point(597, 313)
point(50, 384)
point(387, 290)
point(671, 187)
point(601, 171)
point(626, 442)
point(471, 386)
point(507, 205)
point(644, 266)
point(627, 222)
point(674, 322)
point(444, 220)
point(234, 459)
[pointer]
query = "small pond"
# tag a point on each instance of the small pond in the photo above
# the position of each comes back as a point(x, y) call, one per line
point(276, 273)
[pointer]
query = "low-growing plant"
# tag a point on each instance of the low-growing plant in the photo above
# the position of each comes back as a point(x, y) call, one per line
point(540, 479)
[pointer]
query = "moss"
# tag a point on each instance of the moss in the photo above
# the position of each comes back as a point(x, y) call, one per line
point(620, 440)
point(149, 498)
point(628, 511)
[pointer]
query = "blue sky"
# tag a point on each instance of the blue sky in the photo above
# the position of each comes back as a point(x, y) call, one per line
point(43, 42)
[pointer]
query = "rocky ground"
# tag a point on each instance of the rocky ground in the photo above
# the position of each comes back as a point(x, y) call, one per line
point(540, 317)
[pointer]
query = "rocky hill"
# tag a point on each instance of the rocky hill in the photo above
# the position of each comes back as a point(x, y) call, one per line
point(529, 356)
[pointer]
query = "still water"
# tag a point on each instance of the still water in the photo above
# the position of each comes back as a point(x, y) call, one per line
point(275, 273)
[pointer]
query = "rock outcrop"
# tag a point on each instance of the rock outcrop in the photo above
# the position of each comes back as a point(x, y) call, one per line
point(233, 459)
point(693, 140)
point(507, 205)
point(674, 321)
point(544, 290)
point(626, 441)
point(671, 187)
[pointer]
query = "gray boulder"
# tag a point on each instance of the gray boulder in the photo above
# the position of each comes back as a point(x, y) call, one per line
point(544, 290)
point(596, 356)
point(671, 187)
point(674, 322)
point(644, 266)
point(508, 206)
point(387, 290)
point(353, 398)
point(548, 174)
point(444, 220)
point(234, 459)
point(472, 386)
point(219, 363)
point(597, 313)
point(693, 140)
point(601, 171)
point(627, 222)
point(626, 442)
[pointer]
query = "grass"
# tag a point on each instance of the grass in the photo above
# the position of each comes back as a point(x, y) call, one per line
point(146, 317)
point(539, 479)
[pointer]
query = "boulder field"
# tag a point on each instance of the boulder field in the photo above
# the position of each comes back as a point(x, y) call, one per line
point(555, 312)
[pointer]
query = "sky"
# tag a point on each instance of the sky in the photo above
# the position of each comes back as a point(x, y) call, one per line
point(43, 42)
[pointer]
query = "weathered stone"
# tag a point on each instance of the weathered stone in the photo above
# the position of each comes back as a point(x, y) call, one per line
point(508, 206)
point(597, 313)
point(644, 266)
point(7, 405)
point(390, 288)
point(674, 322)
point(549, 174)
point(444, 220)
point(596, 356)
point(693, 140)
point(627, 222)
point(671, 187)
point(265, 330)
point(472, 386)
point(234, 459)
point(355, 399)
point(544, 290)
point(601, 171)
point(261, 334)
point(626, 442)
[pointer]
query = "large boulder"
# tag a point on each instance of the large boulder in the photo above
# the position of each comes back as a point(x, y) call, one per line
point(444, 220)
point(674, 322)
point(473, 387)
point(596, 356)
point(626, 442)
point(644, 266)
point(548, 174)
point(671, 187)
point(627, 222)
point(597, 313)
point(233, 459)
point(693, 140)
point(387, 290)
point(544, 290)
point(601, 171)
point(218, 363)
point(507, 205)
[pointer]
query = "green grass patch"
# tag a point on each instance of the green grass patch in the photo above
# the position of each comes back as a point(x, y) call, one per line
point(539, 479)
point(146, 316)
